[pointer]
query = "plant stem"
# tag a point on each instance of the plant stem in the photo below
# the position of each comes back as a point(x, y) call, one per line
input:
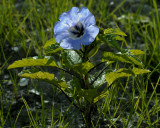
point(87, 113)
point(88, 105)
point(74, 74)
point(81, 110)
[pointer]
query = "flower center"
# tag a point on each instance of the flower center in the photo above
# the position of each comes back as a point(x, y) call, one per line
point(77, 31)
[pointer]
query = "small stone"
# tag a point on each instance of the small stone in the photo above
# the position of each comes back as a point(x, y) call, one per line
point(23, 82)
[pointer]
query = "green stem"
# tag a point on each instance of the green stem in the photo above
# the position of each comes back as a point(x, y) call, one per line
point(87, 114)
point(81, 110)
point(88, 105)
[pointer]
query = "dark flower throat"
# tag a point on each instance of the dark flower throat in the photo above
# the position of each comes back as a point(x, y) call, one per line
point(77, 30)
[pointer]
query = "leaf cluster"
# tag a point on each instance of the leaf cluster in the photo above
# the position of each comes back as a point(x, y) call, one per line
point(78, 64)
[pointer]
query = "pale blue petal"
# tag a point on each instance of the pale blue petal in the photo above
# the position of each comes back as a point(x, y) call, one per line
point(66, 18)
point(70, 17)
point(71, 44)
point(90, 35)
point(61, 35)
point(90, 20)
point(86, 17)
point(83, 13)
point(60, 26)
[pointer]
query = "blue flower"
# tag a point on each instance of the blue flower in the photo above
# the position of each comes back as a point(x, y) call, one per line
point(75, 27)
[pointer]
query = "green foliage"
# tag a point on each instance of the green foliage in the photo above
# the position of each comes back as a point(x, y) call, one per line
point(93, 51)
point(135, 52)
point(100, 80)
point(51, 46)
point(47, 77)
point(49, 43)
point(78, 64)
point(35, 61)
point(26, 27)
point(71, 57)
point(112, 76)
point(111, 37)
point(115, 31)
point(82, 68)
point(110, 56)
point(103, 94)
point(88, 94)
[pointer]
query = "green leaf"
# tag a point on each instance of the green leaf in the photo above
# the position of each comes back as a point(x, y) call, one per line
point(110, 56)
point(88, 94)
point(112, 37)
point(47, 77)
point(54, 50)
point(52, 47)
point(112, 76)
point(115, 31)
point(70, 57)
point(100, 80)
point(48, 61)
point(138, 71)
point(82, 68)
point(108, 31)
point(102, 95)
point(39, 75)
point(32, 70)
point(119, 38)
point(136, 52)
point(74, 86)
point(93, 51)
point(49, 43)
point(114, 43)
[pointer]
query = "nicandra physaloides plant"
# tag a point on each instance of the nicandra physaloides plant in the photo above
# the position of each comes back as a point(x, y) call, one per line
point(76, 41)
